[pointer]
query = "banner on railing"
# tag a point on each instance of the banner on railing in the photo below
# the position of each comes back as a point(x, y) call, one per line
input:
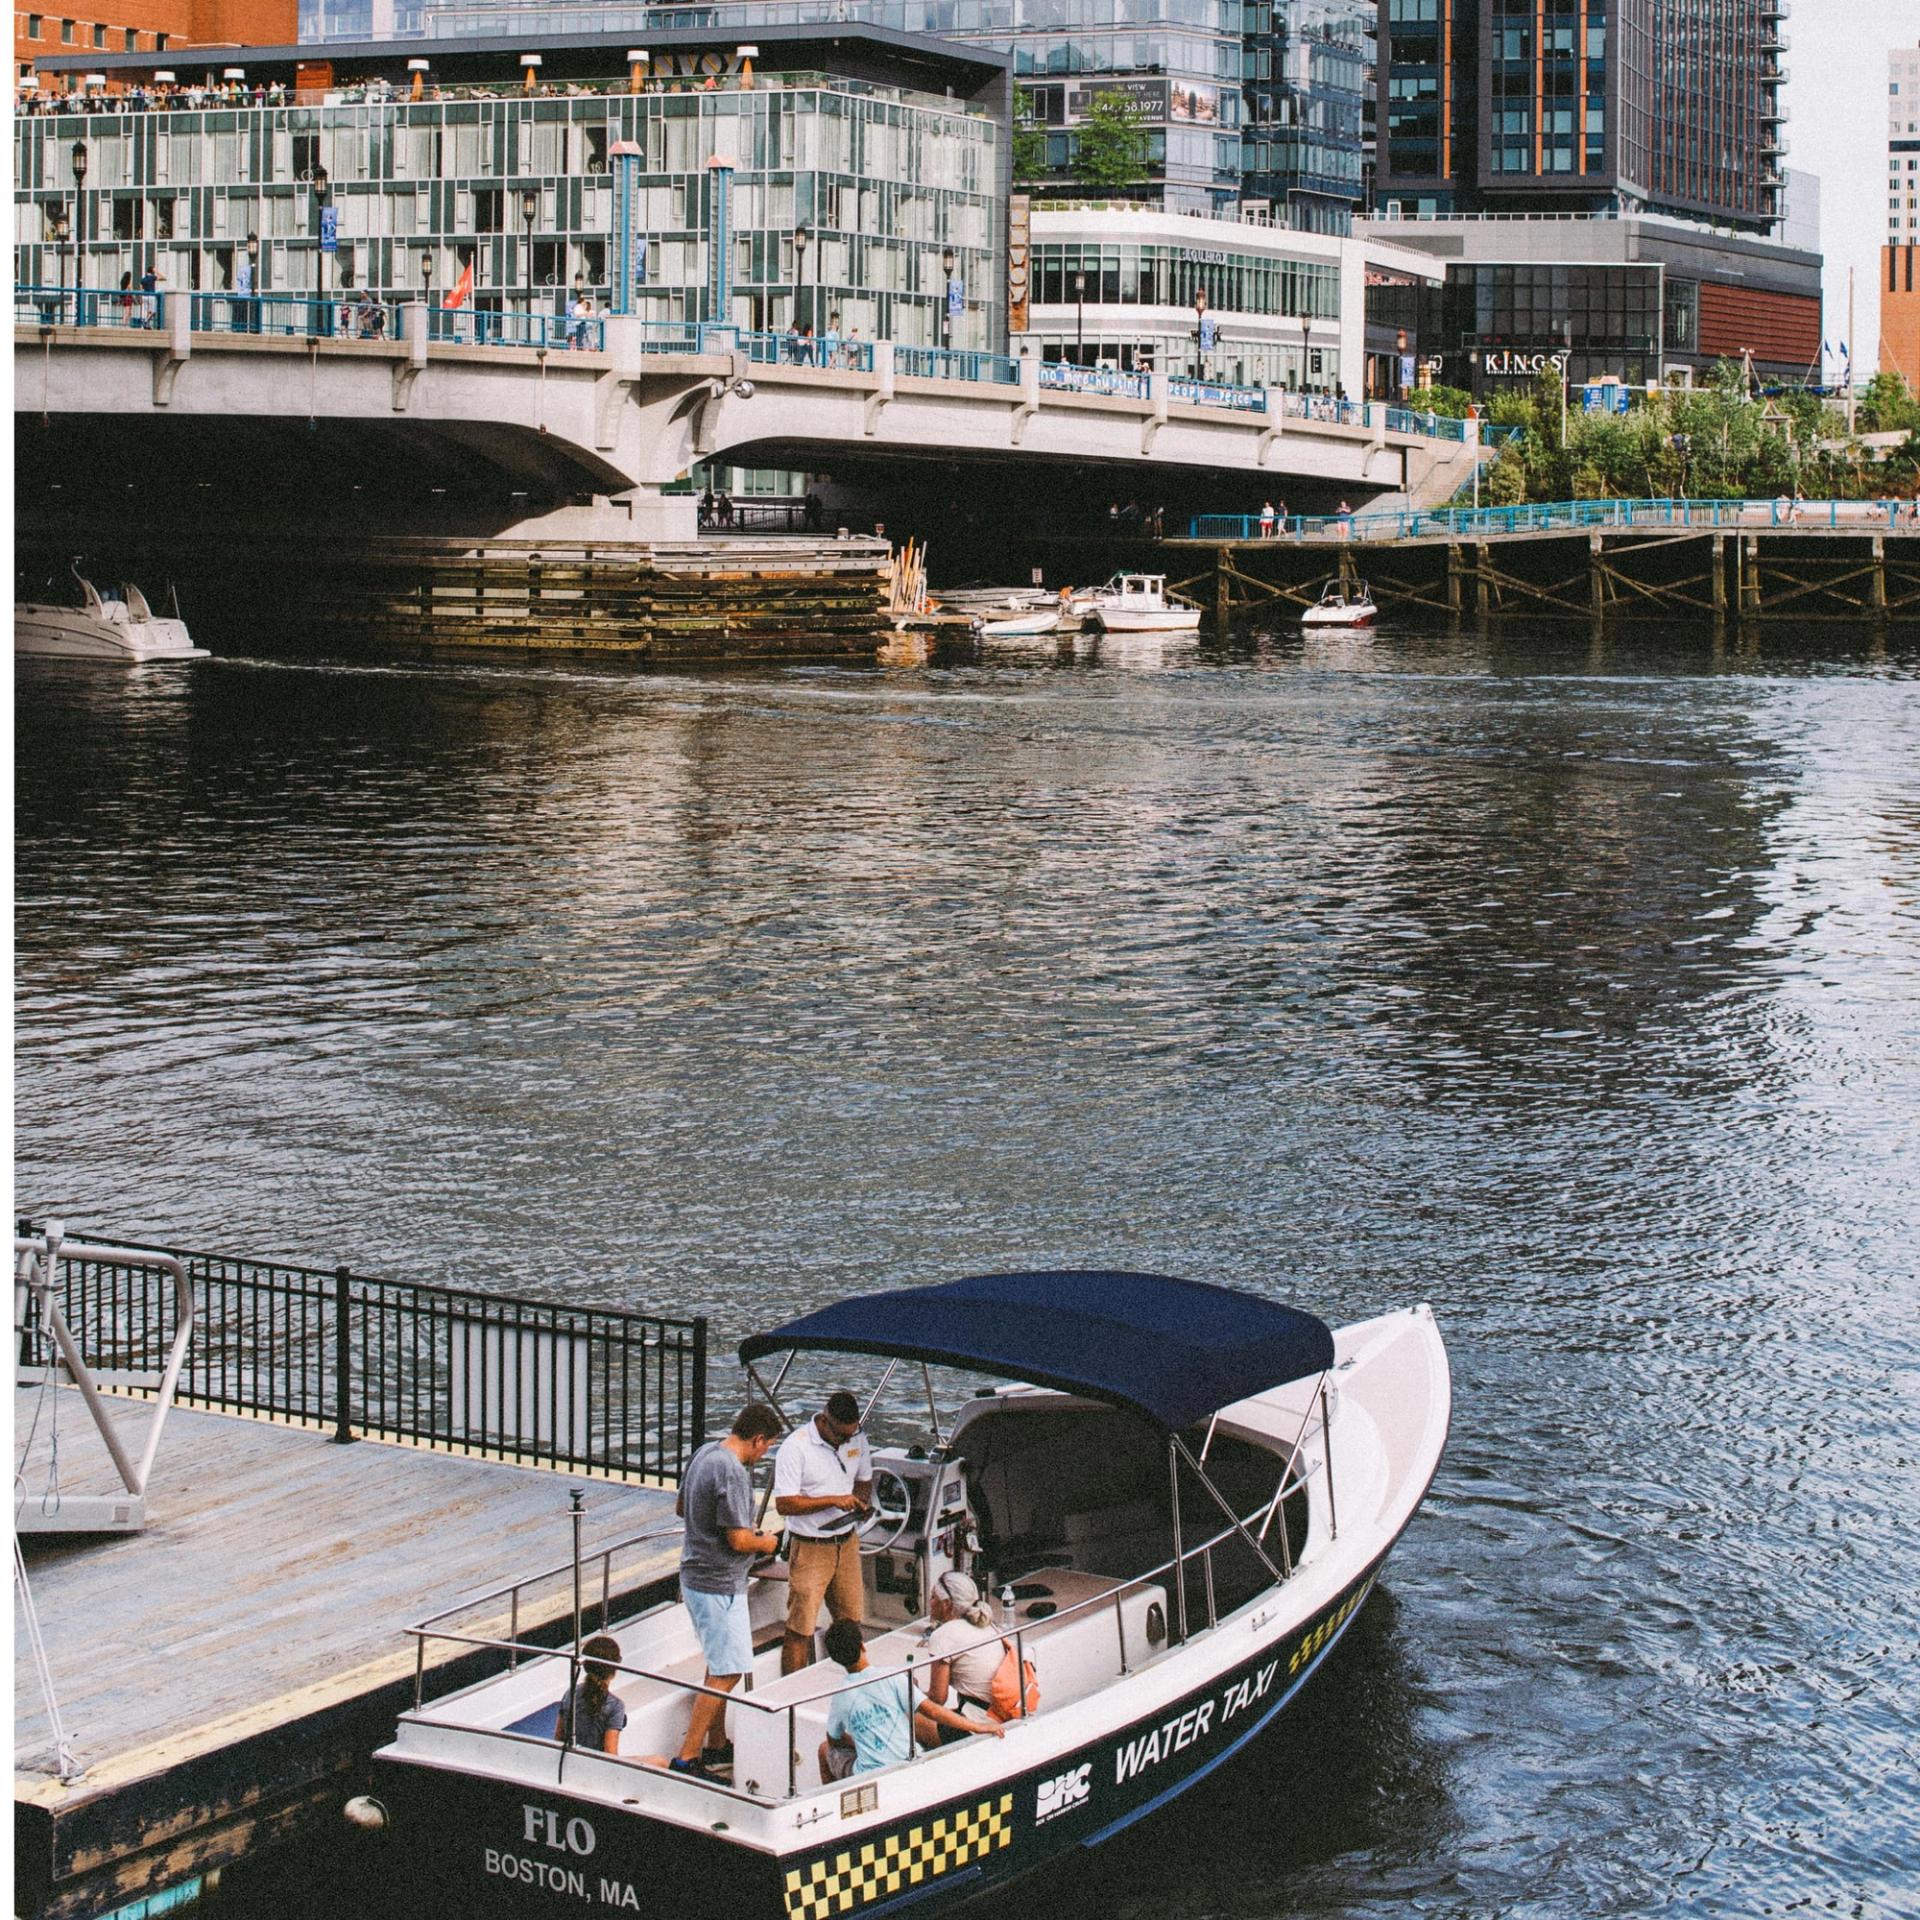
point(519, 1386)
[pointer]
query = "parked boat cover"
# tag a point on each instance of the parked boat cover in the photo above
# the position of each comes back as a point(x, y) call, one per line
point(1176, 1350)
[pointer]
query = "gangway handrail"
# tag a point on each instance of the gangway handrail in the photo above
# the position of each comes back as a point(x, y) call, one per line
point(34, 1257)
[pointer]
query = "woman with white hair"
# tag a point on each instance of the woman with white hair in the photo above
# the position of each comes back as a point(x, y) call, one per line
point(966, 1653)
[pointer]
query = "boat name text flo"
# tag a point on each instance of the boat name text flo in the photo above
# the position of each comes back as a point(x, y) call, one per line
point(1179, 1733)
point(542, 1826)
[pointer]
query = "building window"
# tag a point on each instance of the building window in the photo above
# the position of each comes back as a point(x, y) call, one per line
point(33, 26)
point(133, 41)
point(66, 33)
point(100, 37)
point(159, 43)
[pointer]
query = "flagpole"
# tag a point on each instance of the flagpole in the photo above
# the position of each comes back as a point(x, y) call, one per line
point(1851, 337)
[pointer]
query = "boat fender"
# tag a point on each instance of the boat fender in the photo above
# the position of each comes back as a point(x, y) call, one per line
point(366, 1813)
point(1156, 1624)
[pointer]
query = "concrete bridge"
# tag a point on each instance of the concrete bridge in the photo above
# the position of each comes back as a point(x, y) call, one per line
point(591, 435)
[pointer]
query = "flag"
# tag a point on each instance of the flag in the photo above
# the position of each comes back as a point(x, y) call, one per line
point(462, 288)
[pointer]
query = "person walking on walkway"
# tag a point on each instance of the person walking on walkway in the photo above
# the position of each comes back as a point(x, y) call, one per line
point(1266, 521)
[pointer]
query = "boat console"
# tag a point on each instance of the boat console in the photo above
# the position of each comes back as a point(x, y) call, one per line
point(903, 1562)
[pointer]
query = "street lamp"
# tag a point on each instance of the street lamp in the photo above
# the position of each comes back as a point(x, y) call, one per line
point(253, 282)
point(1306, 347)
point(529, 213)
point(1080, 318)
point(79, 224)
point(946, 297)
point(56, 216)
point(1202, 332)
point(323, 200)
point(802, 238)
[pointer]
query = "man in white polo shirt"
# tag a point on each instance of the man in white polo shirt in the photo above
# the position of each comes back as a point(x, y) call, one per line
point(822, 1482)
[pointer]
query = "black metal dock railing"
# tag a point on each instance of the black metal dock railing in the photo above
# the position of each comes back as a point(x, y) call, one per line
point(589, 1389)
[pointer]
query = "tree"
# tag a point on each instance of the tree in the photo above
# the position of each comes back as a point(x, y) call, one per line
point(1112, 148)
point(1452, 402)
point(1029, 145)
point(1885, 405)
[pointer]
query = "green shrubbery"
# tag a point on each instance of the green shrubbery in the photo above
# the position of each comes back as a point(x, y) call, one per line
point(1715, 441)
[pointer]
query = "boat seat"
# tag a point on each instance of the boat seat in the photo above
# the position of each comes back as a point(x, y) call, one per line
point(1074, 1656)
point(760, 1739)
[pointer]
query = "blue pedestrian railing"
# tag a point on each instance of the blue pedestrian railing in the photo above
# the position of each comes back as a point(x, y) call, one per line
point(1561, 516)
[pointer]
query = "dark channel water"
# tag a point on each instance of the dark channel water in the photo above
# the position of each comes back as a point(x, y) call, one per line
point(1575, 991)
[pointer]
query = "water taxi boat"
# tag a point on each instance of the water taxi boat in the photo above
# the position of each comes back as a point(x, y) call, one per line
point(1346, 603)
point(117, 627)
point(1181, 1507)
point(1140, 603)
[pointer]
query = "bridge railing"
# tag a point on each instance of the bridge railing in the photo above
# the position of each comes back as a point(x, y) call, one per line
point(87, 307)
point(1560, 516)
point(1065, 377)
point(957, 363)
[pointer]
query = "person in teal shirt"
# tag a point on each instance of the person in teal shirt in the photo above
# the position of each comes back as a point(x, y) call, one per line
point(869, 1726)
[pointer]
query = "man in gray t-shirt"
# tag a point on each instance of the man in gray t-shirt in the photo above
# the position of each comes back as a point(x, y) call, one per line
point(717, 1550)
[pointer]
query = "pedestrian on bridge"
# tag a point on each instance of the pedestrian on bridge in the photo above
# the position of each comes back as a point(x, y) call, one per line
point(1266, 521)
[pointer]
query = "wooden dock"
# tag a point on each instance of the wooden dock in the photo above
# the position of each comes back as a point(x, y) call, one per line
point(223, 1676)
point(1721, 576)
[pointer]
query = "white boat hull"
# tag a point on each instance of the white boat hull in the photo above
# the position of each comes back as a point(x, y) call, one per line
point(1363, 616)
point(78, 633)
point(1026, 626)
point(494, 1819)
point(1147, 620)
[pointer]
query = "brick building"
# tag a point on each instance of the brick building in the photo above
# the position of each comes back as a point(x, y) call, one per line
point(81, 27)
point(1899, 297)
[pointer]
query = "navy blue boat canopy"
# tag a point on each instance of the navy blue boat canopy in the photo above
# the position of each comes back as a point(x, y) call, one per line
point(1177, 1350)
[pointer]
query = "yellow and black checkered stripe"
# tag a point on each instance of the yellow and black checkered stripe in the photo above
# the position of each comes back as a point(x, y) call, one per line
point(896, 1862)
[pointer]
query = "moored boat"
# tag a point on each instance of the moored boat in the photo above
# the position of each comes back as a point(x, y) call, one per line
point(1142, 603)
point(117, 627)
point(1182, 1505)
point(1345, 603)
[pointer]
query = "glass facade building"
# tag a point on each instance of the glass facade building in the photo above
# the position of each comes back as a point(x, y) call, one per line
point(881, 168)
point(1239, 100)
point(1536, 106)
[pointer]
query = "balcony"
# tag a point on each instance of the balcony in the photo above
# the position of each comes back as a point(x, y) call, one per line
point(1776, 9)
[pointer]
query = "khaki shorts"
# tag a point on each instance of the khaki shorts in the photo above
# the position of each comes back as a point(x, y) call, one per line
point(823, 1570)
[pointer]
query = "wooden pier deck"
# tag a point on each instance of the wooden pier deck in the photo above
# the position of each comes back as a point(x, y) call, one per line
point(1744, 572)
point(223, 1676)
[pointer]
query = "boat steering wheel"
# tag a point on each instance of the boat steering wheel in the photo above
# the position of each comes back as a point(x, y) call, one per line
point(888, 1517)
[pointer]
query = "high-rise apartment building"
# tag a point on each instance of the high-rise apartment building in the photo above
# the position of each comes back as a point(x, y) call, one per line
point(1899, 299)
point(1260, 101)
point(1596, 106)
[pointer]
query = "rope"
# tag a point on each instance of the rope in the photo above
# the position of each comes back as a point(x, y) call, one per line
point(65, 1764)
point(50, 1498)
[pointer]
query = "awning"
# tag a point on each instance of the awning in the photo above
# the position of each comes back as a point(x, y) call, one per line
point(1177, 1350)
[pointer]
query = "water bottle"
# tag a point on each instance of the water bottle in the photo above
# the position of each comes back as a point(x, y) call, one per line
point(1006, 1609)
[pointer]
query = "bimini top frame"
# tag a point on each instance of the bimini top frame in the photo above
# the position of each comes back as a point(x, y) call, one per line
point(1175, 1350)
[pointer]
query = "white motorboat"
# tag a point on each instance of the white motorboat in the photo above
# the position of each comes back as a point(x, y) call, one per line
point(1140, 603)
point(117, 627)
point(1025, 626)
point(1346, 603)
point(1181, 1509)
